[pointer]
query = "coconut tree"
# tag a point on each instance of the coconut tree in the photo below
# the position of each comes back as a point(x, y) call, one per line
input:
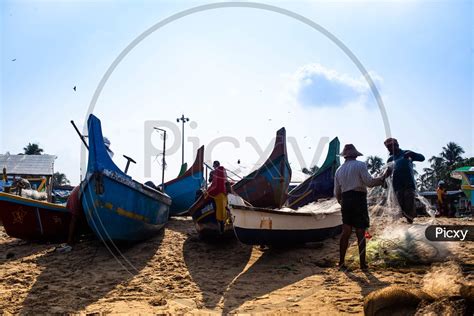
point(32, 149)
point(452, 153)
point(374, 164)
point(441, 166)
point(60, 179)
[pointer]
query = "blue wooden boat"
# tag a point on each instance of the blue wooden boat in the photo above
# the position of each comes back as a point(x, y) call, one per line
point(268, 185)
point(321, 184)
point(182, 189)
point(118, 208)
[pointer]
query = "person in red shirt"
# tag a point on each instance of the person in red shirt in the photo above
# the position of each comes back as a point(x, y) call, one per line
point(218, 191)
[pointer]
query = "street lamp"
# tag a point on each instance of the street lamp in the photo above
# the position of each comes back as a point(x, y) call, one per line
point(183, 120)
point(164, 162)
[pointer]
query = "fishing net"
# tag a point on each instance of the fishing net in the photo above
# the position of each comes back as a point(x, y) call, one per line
point(394, 242)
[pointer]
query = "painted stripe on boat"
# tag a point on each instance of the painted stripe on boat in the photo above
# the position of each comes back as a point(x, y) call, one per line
point(300, 198)
point(35, 203)
point(120, 211)
point(132, 215)
point(205, 215)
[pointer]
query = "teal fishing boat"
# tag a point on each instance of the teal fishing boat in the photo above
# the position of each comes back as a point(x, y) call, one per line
point(182, 189)
point(321, 184)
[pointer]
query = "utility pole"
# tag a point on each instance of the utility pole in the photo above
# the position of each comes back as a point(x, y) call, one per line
point(164, 162)
point(183, 120)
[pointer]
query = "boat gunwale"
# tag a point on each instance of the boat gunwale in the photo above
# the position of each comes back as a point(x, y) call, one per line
point(7, 197)
point(198, 166)
point(154, 194)
point(278, 212)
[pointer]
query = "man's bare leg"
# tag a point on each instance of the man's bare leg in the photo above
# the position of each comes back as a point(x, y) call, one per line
point(360, 232)
point(344, 243)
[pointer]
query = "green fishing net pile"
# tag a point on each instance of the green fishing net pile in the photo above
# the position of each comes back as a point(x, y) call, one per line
point(403, 249)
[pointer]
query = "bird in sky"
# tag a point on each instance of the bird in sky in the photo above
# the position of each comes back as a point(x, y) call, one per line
point(74, 88)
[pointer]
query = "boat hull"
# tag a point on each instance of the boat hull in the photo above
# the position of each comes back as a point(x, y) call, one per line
point(183, 193)
point(317, 188)
point(117, 208)
point(272, 227)
point(34, 220)
point(268, 185)
point(267, 188)
point(321, 184)
point(120, 212)
point(205, 222)
point(182, 189)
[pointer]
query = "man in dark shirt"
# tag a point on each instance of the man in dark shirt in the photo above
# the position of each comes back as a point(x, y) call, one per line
point(403, 178)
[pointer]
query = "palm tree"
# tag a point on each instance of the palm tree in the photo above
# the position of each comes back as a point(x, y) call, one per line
point(32, 149)
point(60, 179)
point(452, 153)
point(374, 164)
point(427, 181)
point(438, 166)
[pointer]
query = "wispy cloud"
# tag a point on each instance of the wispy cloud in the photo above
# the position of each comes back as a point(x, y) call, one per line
point(315, 85)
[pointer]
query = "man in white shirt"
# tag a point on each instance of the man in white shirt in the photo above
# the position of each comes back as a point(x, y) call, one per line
point(350, 188)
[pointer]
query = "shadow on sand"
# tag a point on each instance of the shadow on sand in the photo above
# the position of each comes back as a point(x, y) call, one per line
point(273, 270)
point(213, 266)
point(218, 269)
point(368, 284)
point(17, 249)
point(85, 275)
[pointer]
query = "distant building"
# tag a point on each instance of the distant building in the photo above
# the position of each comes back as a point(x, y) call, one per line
point(37, 169)
point(457, 202)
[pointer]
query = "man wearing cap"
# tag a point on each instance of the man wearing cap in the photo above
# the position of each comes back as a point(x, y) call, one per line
point(350, 188)
point(403, 177)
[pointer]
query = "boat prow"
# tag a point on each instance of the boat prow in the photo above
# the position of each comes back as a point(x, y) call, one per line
point(321, 184)
point(118, 208)
point(182, 189)
point(268, 185)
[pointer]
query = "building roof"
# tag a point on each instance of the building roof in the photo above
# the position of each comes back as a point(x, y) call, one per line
point(38, 165)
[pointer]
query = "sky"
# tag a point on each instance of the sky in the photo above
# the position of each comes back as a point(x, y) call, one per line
point(238, 74)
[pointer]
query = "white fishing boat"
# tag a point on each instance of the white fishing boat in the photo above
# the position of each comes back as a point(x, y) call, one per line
point(260, 226)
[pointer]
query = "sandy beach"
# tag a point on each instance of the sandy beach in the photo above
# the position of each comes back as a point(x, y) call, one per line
point(175, 272)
